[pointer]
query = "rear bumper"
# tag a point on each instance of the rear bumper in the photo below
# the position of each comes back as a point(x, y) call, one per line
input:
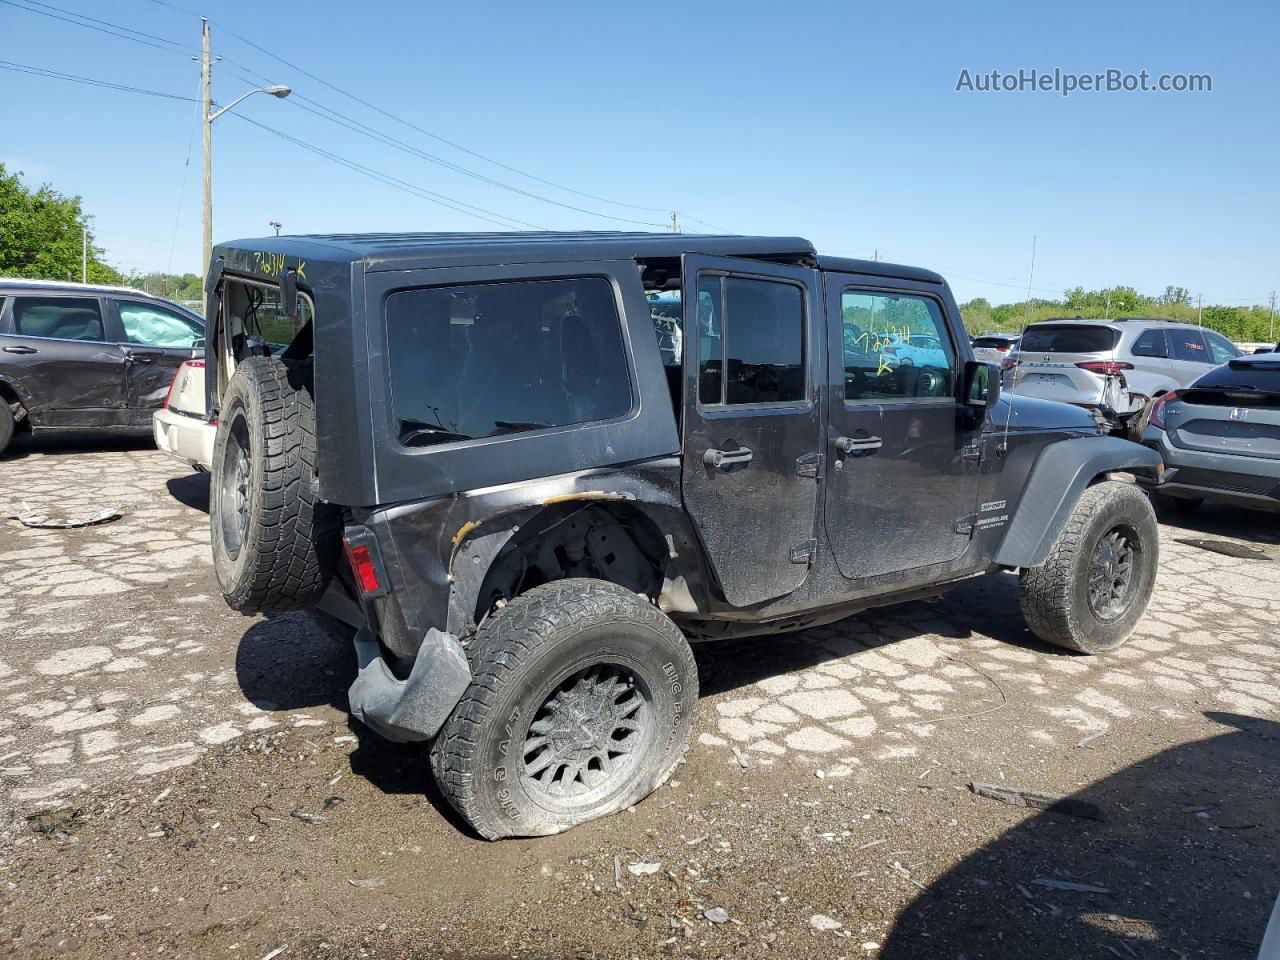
point(184, 438)
point(1222, 477)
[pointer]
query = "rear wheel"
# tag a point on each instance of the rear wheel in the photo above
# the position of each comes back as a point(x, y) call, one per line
point(1094, 586)
point(581, 705)
point(275, 543)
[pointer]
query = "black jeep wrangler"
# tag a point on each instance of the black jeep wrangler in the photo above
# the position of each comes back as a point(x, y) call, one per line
point(541, 503)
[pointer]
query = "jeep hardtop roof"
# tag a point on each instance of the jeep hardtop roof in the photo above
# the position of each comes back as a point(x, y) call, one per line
point(402, 251)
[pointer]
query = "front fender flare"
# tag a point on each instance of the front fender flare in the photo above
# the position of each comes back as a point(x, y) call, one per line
point(1060, 474)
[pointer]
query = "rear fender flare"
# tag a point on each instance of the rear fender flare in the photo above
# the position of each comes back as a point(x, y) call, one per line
point(1060, 474)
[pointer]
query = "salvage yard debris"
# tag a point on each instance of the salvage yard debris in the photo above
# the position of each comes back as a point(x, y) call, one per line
point(41, 521)
point(1051, 802)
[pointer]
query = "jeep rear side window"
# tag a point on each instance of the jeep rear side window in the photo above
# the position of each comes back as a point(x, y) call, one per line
point(750, 341)
point(484, 360)
point(896, 347)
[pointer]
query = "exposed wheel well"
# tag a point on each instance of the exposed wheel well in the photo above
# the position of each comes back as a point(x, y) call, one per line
point(616, 542)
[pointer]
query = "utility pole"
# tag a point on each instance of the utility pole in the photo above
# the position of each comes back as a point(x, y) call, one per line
point(675, 222)
point(84, 256)
point(206, 96)
point(875, 255)
point(1273, 316)
point(1199, 309)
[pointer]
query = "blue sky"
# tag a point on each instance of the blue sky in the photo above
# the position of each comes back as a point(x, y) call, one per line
point(838, 122)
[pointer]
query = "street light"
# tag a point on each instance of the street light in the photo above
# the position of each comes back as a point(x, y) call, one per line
point(206, 85)
point(275, 223)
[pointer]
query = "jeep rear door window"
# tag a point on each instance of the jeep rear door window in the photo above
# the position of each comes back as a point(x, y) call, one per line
point(484, 360)
point(58, 318)
point(750, 341)
point(1066, 339)
point(896, 347)
point(1189, 345)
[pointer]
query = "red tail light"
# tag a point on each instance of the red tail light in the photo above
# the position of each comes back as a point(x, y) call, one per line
point(1002, 349)
point(362, 566)
point(1108, 368)
point(1157, 409)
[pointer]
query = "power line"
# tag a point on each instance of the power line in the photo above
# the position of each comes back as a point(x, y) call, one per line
point(422, 192)
point(90, 81)
point(435, 136)
point(431, 195)
point(101, 26)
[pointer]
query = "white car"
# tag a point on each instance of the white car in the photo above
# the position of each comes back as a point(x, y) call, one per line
point(997, 348)
point(180, 426)
point(1115, 367)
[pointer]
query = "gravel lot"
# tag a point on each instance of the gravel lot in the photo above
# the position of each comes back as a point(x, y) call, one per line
point(178, 779)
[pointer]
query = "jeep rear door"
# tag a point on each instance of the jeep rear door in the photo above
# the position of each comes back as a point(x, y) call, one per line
point(902, 452)
point(751, 423)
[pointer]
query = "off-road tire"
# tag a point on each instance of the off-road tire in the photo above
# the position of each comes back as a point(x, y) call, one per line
point(522, 658)
point(1055, 595)
point(7, 424)
point(275, 544)
point(1184, 506)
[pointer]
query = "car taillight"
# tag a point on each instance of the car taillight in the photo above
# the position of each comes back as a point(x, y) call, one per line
point(1004, 349)
point(177, 373)
point(1108, 368)
point(1156, 419)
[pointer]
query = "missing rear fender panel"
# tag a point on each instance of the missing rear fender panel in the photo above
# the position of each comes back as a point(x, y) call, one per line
point(596, 541)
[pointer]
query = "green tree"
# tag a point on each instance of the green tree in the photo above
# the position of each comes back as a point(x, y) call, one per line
point(41, 232)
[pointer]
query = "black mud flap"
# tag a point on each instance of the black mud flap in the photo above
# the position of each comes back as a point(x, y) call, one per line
point(417, 707)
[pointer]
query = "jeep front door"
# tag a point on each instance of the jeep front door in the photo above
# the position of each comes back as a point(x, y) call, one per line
point(902, 451)
point(751, 428)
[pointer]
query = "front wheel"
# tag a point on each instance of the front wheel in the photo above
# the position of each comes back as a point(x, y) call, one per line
point(581, 704)
point(1094, 586)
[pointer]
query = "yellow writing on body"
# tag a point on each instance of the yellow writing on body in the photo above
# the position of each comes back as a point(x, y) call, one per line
point(272, 263)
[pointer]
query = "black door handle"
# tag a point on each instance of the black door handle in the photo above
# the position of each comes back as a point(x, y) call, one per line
point(858, 444)
point(133, 357)
point(21, 350)
point(724, 459)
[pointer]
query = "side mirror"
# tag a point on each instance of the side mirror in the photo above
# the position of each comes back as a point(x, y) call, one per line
point(289, 292)
point(981, 384)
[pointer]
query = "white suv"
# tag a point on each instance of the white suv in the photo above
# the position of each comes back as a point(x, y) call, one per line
point(1116, 367)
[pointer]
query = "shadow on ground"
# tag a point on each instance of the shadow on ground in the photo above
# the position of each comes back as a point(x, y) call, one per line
point(26, 444)
point(1187, 859)
point(191, 490)
point(1221, 520)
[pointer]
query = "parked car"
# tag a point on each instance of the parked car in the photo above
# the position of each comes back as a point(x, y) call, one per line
point(997, 348)
point(921, 350)
point(77, 356)
point(1115, 367)
point(540, 508)
point(1220, 438)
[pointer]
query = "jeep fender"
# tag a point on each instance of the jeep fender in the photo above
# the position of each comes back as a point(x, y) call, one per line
point(1060, 474)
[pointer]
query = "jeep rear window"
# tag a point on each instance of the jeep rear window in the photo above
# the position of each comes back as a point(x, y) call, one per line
point(484, 360)
point(1068, 340)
